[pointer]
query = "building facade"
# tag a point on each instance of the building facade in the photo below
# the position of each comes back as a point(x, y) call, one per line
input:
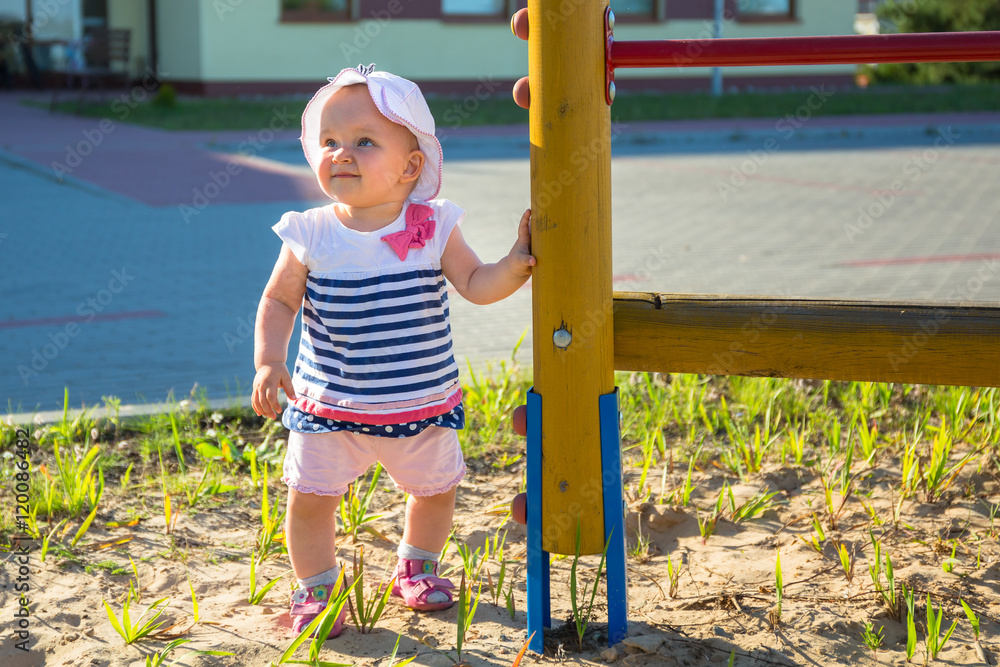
point(227, 47)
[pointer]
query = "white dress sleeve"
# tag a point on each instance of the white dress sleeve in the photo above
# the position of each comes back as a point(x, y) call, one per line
point(449, 215)
point(295, 230)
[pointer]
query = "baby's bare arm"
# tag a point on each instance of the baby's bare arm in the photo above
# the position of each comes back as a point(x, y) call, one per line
point(275, 320)
point(486, 283)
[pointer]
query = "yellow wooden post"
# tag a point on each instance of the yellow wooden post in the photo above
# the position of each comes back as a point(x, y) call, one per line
point(571, 237)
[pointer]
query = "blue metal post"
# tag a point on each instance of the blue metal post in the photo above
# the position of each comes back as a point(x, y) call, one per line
point(614, 517)
point(539, 614)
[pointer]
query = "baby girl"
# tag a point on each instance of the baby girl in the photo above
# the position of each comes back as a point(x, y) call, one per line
point(375, 377)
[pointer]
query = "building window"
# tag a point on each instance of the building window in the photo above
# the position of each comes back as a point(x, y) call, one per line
point(306, 11)
point(634, 10)
point(766, 10)
point(481, 8)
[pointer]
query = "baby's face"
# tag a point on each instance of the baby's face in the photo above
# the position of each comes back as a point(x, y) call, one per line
point(366, 159)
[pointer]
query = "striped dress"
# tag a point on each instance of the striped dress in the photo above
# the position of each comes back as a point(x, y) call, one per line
point(376, 343)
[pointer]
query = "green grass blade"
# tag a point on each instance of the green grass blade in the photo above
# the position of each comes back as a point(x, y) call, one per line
point(194, 600)
point(83, 528)
point(778, 580)
point(360, 620)
point(114, 621)
point(517, 345)
point(306, 631)
point(88, 460)
point(973, 619)
point(147, 628)
point(597, 579)
point(572, 580)
point(264, 503)
point(392, 656)
point(331, 613)
point(268, 586)
point(947, 635)
point(933, 626)
point(253, 580)
point(65, 418)
point(382, 602)
point(461, 617)
point(127, 624)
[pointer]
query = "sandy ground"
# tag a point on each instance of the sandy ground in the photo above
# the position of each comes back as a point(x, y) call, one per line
point(724, 602)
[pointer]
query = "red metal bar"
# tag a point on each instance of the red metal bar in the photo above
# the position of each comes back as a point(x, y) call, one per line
point(841, 49)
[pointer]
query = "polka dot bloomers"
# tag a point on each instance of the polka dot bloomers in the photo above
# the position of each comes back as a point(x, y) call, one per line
point(302, 422)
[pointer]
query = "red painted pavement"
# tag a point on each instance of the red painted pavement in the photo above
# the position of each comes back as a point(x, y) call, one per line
point(174, 168)
point(975, 257)
point(822, 185)
point(155, 167)
point(95, 317)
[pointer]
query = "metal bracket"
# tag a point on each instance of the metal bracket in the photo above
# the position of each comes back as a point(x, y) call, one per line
point(539, 614)
point(539, 600)
point(614, 517)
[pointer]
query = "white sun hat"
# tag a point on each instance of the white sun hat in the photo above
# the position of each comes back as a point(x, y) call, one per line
point(399, 100)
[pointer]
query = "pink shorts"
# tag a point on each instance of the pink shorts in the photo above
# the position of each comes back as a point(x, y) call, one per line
point(425, 464)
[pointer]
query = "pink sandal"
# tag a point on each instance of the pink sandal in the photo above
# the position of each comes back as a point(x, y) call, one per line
point(308, 603)
point(416, 580)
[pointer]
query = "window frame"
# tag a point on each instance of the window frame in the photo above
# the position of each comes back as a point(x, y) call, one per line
point(508, 7)
point(320, 15)
point(658, 14)
point(792, 16)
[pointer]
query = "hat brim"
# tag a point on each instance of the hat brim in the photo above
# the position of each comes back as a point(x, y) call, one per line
point(428, 184)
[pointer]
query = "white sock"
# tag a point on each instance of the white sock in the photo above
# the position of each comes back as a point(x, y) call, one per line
point(412, 553)
point(328, 577)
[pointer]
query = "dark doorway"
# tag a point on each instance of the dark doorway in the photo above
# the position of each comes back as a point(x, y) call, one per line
point(95, 15)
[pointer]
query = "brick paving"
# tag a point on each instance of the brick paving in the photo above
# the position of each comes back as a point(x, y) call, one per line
point(119, 280)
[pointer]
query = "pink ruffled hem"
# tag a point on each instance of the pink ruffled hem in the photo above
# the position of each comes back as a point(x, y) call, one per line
point(420, 493)
point(302, 488)
point(303, 402)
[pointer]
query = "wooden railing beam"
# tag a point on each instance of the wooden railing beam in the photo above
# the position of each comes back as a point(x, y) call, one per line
point(917, 342)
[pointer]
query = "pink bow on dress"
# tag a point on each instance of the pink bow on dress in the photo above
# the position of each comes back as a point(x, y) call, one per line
point(419, 230)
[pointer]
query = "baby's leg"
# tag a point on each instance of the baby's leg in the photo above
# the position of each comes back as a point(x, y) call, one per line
point(310, 532)
point(429, 466)
point(318, 469)
point(428, 520)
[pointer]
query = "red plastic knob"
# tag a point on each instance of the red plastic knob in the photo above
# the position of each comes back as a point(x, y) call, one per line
point(522, 93)
point(519, 508)
point(521, 420)
point(519, 23)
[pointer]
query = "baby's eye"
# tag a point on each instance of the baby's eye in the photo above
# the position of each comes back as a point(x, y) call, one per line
point(330, 143)
point(366, 142)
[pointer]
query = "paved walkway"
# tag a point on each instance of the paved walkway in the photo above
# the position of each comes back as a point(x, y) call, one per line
point(134, 258)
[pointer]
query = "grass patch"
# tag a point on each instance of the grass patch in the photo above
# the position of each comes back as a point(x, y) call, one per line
point(851, 438)
point(688, 418)
point(881, 100)
point(499, 109)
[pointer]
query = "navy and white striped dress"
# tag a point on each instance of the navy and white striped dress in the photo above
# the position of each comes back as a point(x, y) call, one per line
point(375, 349)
